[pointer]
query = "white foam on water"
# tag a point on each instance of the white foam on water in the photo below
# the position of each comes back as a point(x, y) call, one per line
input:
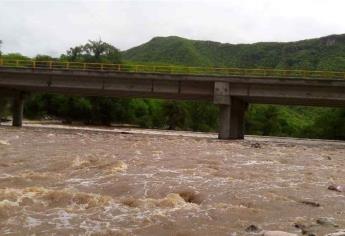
point(6, 176)
point(254, 162)
point(8, 203)
point(86, 182)
point(31, 222)
point(62, 221)
point(4, 142)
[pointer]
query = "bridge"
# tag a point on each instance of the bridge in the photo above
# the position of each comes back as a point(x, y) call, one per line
point(232, 89)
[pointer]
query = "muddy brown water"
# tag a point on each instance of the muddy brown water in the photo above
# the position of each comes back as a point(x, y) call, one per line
point(63, 181)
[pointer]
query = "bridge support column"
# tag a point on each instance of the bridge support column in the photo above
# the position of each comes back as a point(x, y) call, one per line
point(231, 112)
point(231, 119)
point(17, 110)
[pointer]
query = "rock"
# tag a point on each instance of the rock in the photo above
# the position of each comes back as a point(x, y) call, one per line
point(277, 233)
point(326, 221)
point(253, 229)
point(338, 188)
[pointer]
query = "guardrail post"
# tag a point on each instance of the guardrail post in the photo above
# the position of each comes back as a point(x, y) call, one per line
point(119, 67)
point(50, 65)
point(17, 63)
point(102, 67)
point(34, 64)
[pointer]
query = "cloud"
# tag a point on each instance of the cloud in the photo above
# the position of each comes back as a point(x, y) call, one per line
point(51, 27)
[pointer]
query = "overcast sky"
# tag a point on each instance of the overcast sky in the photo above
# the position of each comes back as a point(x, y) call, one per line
point(51, 27)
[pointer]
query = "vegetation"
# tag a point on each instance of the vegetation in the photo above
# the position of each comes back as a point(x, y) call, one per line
point(3, 102)
point(93, 51)
point(326, 53)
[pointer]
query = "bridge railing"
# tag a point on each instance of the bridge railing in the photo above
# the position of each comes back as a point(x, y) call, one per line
point(63, 65)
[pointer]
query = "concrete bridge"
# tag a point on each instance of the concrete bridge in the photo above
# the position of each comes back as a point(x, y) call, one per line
point(231, 89)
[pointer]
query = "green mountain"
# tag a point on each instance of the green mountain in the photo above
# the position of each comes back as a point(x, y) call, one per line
point(326, 53)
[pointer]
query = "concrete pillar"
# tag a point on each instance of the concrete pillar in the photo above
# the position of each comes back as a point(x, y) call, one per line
point(231, 112)
point(231, 119)
point(238, 108)
point(17, 110)
point(224, 121)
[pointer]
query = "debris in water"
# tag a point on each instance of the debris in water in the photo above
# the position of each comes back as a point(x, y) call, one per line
point(253, 229)
point(326, 221)
point(310, 203)
point(304, 227)
point(338, 188)
point(255, 145)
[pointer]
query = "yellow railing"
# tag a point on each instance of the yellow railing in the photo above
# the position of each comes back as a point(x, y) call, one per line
point(53, 65)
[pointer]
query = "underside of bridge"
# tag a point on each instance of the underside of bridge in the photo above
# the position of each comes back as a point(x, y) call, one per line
point(231, 112)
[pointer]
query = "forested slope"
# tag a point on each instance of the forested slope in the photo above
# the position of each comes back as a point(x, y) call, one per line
point(327, 53)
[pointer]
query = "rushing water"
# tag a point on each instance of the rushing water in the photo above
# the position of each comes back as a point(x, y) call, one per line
point(67, 181)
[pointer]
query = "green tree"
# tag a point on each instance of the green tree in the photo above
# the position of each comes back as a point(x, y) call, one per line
point(94, 51)
point(176, 114)
point(15, 56)
point(329, 124)
point(3, 101)
point(89, 110)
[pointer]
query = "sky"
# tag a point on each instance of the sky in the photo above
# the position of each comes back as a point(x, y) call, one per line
point(51, 27)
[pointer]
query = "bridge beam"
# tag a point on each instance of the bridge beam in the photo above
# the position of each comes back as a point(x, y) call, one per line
point(17, 109)
point(231, 112)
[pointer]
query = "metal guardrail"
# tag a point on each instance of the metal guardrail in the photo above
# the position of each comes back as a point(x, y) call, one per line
point(52, 65)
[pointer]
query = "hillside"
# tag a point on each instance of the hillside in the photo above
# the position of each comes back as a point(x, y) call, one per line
point(326, 53)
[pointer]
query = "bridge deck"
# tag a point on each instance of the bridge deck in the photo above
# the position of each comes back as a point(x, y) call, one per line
point(253, 89)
